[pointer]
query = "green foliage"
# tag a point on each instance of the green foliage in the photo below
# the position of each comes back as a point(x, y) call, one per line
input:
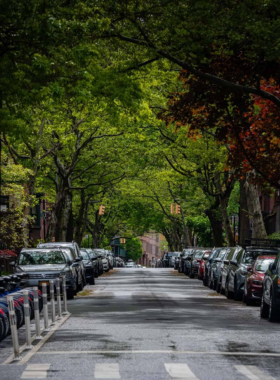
point(275, 235)
point(133, 248)
point(202, 229)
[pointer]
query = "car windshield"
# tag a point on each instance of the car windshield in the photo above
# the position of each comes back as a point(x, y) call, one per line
point(251, 256)
point(222, 254)
point(170, 254)
point(41, 258)
point(262, 264)
point(69, 253)
point(85, 255)
point(213, 253)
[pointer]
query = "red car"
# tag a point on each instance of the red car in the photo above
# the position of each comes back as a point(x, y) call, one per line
point(202, 264)
point(254, 279)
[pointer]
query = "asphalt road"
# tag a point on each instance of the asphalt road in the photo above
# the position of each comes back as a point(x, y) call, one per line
point(153, 324)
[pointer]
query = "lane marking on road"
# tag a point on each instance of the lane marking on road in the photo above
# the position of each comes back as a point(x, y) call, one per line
point(34, 350)
point(240, 353)
point(36, 371)
point(252, 372)
point(180, 371)
point(107, 371)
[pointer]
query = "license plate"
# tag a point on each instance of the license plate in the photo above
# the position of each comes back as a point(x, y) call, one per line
point(43, 282)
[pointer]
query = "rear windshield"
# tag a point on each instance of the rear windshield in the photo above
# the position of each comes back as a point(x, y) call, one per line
point(198, 254)
point(92, 254)
point(262, 264)
point(222, 254)
point(251, 256)
point(41, 258)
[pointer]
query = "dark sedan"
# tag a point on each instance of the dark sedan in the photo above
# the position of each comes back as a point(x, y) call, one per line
point(270, 303)
point(89, 265)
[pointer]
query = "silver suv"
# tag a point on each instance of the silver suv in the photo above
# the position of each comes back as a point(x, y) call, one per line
point(42, 265)
point(78, 262)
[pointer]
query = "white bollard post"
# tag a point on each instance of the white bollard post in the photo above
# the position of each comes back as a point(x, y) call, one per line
point(13, 325)
point(27, 320)
point(52, 302)
point(64, 295)
point(37, 313)
point(58, 298)
point(45, 307)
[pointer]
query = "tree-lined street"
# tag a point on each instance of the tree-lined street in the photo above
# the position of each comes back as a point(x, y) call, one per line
point(138, 321)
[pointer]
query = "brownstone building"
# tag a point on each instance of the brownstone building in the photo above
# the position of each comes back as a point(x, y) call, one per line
point(153, 247)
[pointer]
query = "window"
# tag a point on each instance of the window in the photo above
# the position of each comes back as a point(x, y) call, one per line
point(41, 258)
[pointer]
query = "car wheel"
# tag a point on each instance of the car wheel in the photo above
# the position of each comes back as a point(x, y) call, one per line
point(228, 294)
point(236, 293)
point(219, 288)
point(191, 273)
point(70, 294)
point(205, 281)
point(92, 281)
point(273, 314)
point(80, 286)
point(209, 281)
point(264, 311)
point(244, 298)
point(214, 285)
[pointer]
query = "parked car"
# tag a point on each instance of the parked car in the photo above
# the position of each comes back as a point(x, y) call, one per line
point(130, 264)
point(78, 263)
point(196, 259)
point(254, 279)
point(186, 258)
point(270, 302)
point(173, 258)
point(167, 260)
point(90, 266)
point(105, 261)
point(215, 272)
point(177, 260)
point(225, 268)
point(97, 259)
point(208, 266)
point(110, 258)
point(202, 264)
point(42, 265)
point(238, 266)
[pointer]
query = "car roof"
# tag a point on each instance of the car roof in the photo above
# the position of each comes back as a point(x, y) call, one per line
point(37, 249)
point(58, 243)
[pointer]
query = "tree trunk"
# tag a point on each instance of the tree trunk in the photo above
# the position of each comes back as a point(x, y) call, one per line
point(216, 225)
point(80, 220)
point(223, 203)
point(244, 221)
point(61, 222)
point(254, 208)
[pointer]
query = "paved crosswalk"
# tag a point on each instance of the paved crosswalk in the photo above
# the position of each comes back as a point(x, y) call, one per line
point(36, 371)
point(176, 371)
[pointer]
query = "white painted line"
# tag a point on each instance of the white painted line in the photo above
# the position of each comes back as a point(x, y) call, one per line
point(36, 371)
point(180, 371)
point(34, 375)
point(107, 371)
point(38, 346)
point(227, 353)
point(252, 372)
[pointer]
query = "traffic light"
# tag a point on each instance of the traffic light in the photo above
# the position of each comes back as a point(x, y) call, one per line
point(172, 208)
point(101, 210)
point(178, 209)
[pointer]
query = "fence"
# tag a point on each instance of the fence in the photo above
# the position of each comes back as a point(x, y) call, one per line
point(33, 307)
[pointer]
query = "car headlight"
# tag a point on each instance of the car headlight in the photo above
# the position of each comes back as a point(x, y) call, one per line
point(256, 282)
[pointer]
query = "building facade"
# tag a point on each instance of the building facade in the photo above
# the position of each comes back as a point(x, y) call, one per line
point(153, 247)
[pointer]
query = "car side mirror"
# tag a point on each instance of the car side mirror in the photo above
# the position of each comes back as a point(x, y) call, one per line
point(217, 260)
point(249, 269)
point(233, 262)
point(12, 263)
point(78, 259)
point(226, 262)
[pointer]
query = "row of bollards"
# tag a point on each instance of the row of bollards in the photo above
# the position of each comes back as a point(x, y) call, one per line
point(12, 314)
